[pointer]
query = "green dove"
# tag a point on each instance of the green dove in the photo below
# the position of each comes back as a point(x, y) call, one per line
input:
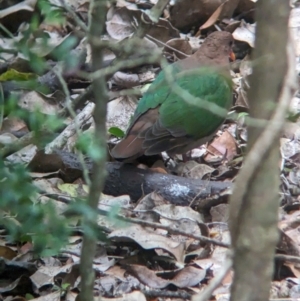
point(167, 121)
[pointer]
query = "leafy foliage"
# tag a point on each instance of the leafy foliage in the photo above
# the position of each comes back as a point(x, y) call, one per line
point(117, 132)
point(26, 219)
point(24, 215)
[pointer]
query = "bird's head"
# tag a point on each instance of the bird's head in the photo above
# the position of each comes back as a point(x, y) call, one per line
point(218, 45)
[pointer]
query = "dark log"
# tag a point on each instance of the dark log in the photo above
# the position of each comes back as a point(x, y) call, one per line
point(127, 179)
point(123, 178)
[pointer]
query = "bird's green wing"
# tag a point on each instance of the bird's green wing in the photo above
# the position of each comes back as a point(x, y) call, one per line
point(156, 94)
point(181, 123)
point(189, 116)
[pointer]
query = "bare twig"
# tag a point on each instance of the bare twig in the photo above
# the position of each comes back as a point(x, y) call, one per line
point(154, 58)
point(153, 14)
point(166, 45)
point(74, 16)
point(67, 200)
point(71, 129)
point(74, 127)
point(171, 230)
point(81, 99)
point(97, 14)
point(9, 149)
point(282, 257)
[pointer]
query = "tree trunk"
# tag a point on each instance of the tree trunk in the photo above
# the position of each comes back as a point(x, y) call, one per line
point(255, 200)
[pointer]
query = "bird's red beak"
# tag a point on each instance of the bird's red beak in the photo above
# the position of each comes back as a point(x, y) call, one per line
point(232, 56)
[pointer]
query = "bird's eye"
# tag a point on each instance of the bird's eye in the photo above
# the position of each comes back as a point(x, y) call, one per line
point(230, 43)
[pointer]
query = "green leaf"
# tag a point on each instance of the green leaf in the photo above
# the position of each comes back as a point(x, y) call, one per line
point(65, 286)
point(243, 114)
point(29, 297)
point(115, 131)
point(12, 74)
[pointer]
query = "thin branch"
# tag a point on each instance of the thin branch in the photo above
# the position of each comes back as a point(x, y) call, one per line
point(9, 149)
point(154, 58)
point(282, 257)
point(75, 125)
point(3, 28)
point(97, 14)
point(67, 200)
point(169, 229)
point(153, 14)
point(156, 11)
point(166, 45)
point(81, 99)
point(74, 16)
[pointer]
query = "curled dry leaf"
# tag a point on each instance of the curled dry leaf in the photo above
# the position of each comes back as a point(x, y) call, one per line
point(173, 212)
point(288, 243)
point(222, 147)
point(147, 276)
point(108, 201)
point(48, 105)
point(245, 33)
point(291, 131)
point(243, 86)
point(219, 213)
point(143, 209)
point(198, 12)
point(7, 138)
point(23, 156)
point(162, 31)
point(6, 44)
point(189, 276)
point(125, 80)
point(119, 112)
point(46, 274)
point(182, 46)
point(140, 48)
point(294, 176)
point(242, 99)
point(149, 240)
point(7, 253)
point(289, 148)
point(194, 170)
point(214, 17)
point(225, 10)
point(195, 12)
point(246, 67)
point(218, 257)
point(24, 5)
point(186, 225)
point(122, 22)
point(119, 24)
point(232, 26)
point(294, 268)
point(186, 277)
